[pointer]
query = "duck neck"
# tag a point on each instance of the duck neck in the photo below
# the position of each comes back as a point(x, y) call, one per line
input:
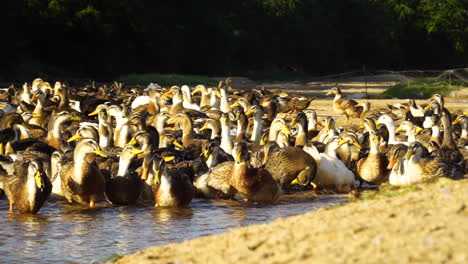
point(64, 102)
point(212, 160)
point(391, 132)
point(224, 101)
point(257, 129)
point(238, 176)
point(214, 101)
point(79, 159)
point(214, 131)
point(39, 106)
point(24, 134)
point(205, 98)
point(123, 166)
point(187, 131)
point(337, 96)
point(374, 147)
point(330, 150)
point(226, 140)
point(464, 133)
point(301, 138)
point(53, 135)
point(312, 125)
point(411, 138)
point(435, 136)
point(447, 123)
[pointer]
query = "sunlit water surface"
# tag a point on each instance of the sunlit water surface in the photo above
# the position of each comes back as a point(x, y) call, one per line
point(63, 233)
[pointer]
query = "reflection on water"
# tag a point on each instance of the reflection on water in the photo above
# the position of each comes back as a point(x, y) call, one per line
point(75, 234)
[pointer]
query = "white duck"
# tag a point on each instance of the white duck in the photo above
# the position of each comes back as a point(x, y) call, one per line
point(331, 171)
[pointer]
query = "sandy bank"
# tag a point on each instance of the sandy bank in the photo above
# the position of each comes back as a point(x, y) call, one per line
point(422, 226)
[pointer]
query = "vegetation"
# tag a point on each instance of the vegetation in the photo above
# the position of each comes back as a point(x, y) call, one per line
point(103, 39)
point(166, 79)
point(420, 89)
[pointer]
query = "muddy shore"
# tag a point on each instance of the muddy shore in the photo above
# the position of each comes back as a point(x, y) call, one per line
point(425, 225)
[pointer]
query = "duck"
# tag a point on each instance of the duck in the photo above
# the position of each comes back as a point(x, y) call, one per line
point(28, 188)
point(171, 188)
point(188, 140)
point(289, 164)
point(367, 112)
point(54, 133)
point(343, 106)
point(226, 139)
point(417, 166)
point(373, 168)
point(205, 95)
point(331, 171)
point(299, 121)
point(124, 187)
point(388, 121)
point(448, 149)
point(214, 125)
point(122, 131)
point(256, 112)
point(252, 184)
point(463, 121)
point(81, 179)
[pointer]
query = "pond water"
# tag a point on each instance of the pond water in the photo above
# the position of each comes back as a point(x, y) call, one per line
point(63, 233)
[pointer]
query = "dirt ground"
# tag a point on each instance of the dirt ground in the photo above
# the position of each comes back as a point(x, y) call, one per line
point(428, 225)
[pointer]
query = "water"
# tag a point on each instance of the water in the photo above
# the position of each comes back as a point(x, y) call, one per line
point(63, 233)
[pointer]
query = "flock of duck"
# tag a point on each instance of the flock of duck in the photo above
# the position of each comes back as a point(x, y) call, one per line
point(169, 145)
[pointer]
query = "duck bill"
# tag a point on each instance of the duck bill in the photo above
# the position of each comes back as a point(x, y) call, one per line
point(359, 146)
point(456, 121)
point(391, 163)
point(177, 144)
point(238, 158)
point(342, 142)
point(74, 137)
point(399, 129)
point(203, 128)
point(171, 121)
point(136, 152)
point(286, 130)
point(3, 105)
point(75, 118)
point(39, 180)
point(100, 153)
point(95, 112)
point(234, 105)
point(409, 153)
point(169, 158)
point(293, 121)
point(36, 115)
point(295, 182)
point(132, 142)
point(249, 112)
point(330, 92)
point(428, 106)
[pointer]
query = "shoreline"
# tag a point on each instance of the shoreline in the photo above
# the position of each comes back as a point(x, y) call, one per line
point(424, 224)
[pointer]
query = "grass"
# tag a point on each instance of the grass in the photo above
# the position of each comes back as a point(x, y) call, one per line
point(280, 76)
point(166, 79)
point(386, 191)
point(420, 88)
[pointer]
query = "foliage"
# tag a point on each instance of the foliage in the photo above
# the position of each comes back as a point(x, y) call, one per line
point(421, 88)
point(166, 79)
point(106, 38)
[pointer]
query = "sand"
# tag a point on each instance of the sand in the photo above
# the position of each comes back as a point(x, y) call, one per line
point(426, 225)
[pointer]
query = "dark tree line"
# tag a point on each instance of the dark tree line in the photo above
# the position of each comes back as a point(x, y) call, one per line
point(105, 38)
